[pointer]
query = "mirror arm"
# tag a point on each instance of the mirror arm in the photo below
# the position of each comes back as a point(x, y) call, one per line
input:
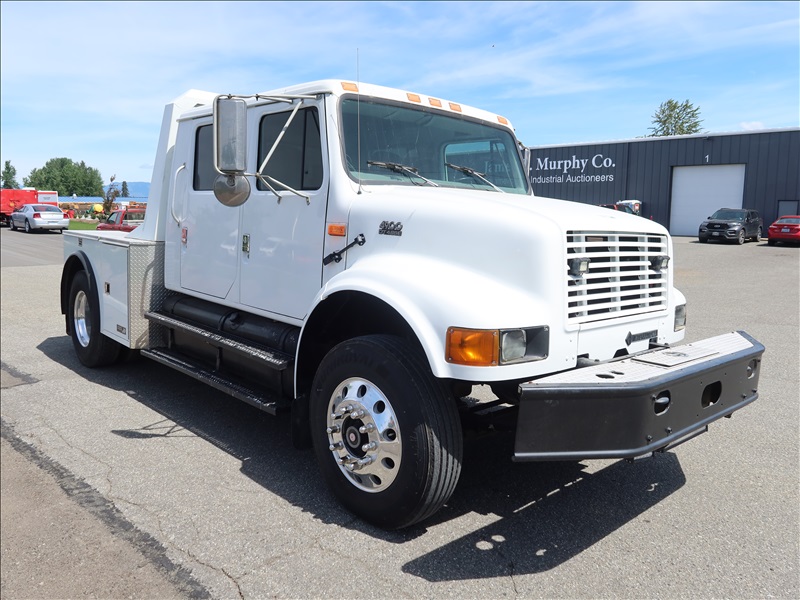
point(264, 178)
point(279, 138)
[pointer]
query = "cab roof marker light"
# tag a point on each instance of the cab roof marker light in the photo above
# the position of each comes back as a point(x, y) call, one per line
point(454, 106)
point(435, 102)
point(413, 97)
point(502, 120)
point(349, 87)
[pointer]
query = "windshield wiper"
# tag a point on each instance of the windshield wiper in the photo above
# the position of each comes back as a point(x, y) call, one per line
point(475, 174)
point(398, 168)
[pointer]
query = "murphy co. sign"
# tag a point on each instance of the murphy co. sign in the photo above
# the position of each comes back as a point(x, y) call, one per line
point(573, 170)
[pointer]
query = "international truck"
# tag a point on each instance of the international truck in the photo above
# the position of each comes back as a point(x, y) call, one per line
point(362, 257)
point(11, 200)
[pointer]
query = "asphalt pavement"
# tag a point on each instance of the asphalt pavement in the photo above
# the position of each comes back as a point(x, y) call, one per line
point(137, 482)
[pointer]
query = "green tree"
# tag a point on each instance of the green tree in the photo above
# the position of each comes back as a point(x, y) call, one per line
point(125, 193)
point(9, 177)
point(674, 118)
point(67, 178)
point(110, 196)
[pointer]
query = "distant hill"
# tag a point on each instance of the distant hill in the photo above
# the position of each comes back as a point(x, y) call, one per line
point(139, 190)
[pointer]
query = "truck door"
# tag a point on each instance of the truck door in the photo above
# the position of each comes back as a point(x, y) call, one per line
point(282, 234)
point(209, 231)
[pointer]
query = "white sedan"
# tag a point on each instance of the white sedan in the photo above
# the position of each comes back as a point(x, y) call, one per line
point(39, 216)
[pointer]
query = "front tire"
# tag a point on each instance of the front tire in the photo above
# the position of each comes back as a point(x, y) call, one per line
point(92, 347)
point(12, 225)
point(386, 433)
point(740, 237)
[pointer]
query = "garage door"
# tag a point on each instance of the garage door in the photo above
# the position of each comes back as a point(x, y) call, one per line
point(699, 191)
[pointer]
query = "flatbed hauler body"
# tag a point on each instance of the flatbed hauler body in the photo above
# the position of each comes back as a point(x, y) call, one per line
point(363, 256)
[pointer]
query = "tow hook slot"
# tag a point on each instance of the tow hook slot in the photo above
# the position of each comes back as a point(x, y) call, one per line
point(711, 394)
point(661, 402)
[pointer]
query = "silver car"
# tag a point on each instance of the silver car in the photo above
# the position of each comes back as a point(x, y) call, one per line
point(39, 216)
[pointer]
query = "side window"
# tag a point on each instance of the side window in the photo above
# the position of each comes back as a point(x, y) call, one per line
point(297, 161)
point(114, 218)
point(204, 173)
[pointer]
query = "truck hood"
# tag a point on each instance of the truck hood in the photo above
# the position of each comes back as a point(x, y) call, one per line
point(508, 211)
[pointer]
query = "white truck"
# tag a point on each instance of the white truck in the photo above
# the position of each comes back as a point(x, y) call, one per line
point(362, 257)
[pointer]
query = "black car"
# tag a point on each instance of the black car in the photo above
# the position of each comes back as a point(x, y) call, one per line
point(732, 224)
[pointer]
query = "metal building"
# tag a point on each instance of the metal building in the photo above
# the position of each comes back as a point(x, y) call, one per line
point(680, 180)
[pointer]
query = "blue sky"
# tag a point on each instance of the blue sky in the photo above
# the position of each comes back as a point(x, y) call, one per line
point(89, 81)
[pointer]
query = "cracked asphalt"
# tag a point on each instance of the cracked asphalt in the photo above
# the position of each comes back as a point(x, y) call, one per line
point(137, 482)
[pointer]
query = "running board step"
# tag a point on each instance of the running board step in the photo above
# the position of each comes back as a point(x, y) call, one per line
point(272, 358)
point(266, 402)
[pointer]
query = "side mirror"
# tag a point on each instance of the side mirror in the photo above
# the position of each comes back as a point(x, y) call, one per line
point(526, 161)
point(230, 135)
point(231, 187)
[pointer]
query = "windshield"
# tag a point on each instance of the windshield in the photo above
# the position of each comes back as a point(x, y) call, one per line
point(727, 214)
point(412, 146)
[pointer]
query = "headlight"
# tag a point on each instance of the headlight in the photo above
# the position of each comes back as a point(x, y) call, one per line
point(512, 345)
point(680, 317)
point(490, 347)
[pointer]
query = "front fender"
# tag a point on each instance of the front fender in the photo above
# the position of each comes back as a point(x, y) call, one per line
point(432, 295)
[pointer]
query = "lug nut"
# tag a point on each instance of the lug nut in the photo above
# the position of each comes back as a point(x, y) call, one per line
point(333, 429)
point(368, 428)
point(369, 447)
point(336, 446)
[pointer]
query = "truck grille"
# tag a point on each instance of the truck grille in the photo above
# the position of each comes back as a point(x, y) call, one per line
point(620, 281)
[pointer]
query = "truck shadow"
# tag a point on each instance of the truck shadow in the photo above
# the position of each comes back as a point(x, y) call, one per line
point(542, 513)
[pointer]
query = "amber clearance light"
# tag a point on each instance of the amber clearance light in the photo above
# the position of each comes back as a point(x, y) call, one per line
point(472, 347)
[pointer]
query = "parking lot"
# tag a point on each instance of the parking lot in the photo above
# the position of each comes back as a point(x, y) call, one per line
point(203, 495)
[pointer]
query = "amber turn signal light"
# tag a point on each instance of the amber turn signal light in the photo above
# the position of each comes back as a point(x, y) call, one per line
point(472, 347)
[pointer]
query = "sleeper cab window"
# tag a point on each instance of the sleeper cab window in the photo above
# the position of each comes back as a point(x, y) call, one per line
point(204, 173)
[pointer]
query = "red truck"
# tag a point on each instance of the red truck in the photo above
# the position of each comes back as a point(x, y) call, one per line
point(10, 200)
point(126, 218)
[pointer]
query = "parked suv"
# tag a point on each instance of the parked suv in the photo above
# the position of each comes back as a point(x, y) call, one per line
point(732, 224)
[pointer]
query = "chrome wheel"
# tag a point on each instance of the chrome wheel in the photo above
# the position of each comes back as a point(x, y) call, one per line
point(364, 435)
point(80, 319)
point(386, 432)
